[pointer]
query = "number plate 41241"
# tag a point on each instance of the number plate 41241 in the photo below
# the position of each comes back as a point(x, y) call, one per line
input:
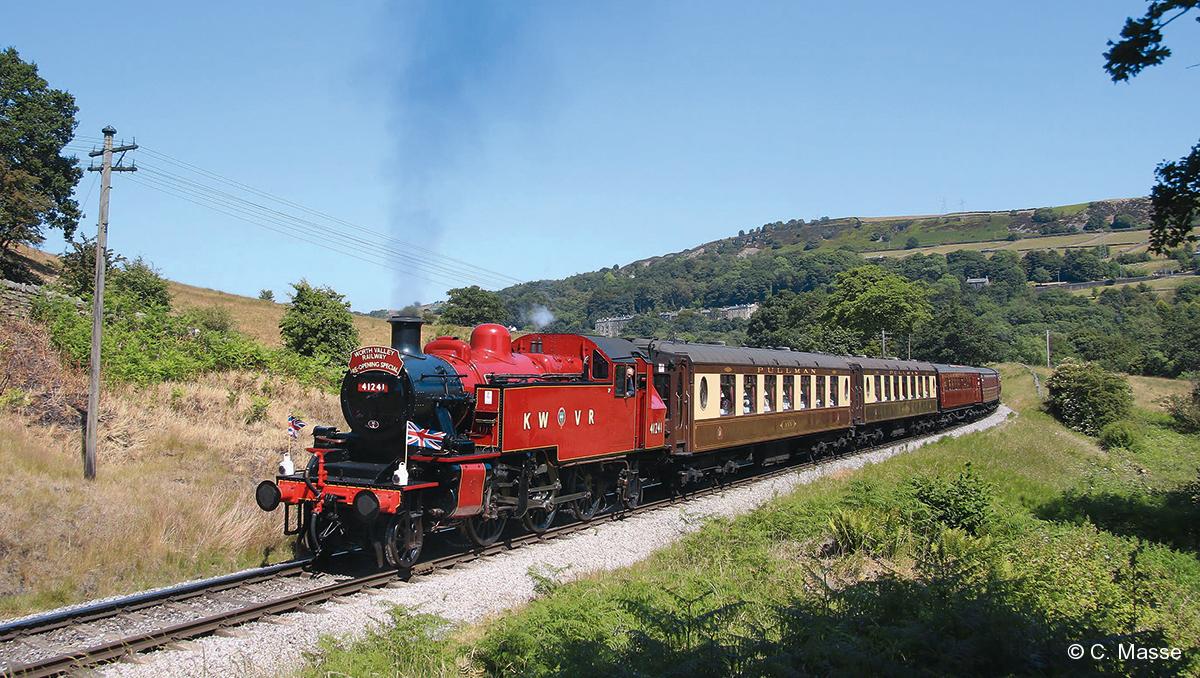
point(372, 387)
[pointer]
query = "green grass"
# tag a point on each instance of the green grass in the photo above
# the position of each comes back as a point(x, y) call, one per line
point(856, 574)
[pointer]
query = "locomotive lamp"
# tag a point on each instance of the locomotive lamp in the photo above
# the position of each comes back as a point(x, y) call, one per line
point(286, 467)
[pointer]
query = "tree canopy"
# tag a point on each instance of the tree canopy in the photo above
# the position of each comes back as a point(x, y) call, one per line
point(1176, 195)
point(474, 305)
point(318, 323)
point(869, 299)
point(36, 180)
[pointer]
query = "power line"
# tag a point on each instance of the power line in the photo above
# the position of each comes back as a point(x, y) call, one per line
point(322, 230)
point(202, 201)
point(317, 213)
point(316, 234)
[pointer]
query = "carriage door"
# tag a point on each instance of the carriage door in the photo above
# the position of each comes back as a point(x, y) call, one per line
point(856, 393)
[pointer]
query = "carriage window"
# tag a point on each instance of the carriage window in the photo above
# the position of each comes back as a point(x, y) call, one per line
point(835, 385)
point(704, 393)
point(769, 393)
point(889, 385)
point(878, 388)
point(749, 394)
point(805, 387)
point(820, 389)
point(726, 395)
point(904, 386)
point(789, 390)
point(599, 367)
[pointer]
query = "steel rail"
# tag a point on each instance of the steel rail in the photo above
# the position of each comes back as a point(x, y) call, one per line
point(292, 602)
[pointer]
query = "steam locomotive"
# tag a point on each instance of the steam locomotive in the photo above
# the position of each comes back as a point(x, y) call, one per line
point(468, 436)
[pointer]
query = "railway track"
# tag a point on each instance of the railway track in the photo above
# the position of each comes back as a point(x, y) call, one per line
point(73, 639)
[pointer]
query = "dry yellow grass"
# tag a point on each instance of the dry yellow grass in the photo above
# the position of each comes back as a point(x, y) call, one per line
point(260, 319)
point(173, 498)
point(1119, 241)
point(1160, 286)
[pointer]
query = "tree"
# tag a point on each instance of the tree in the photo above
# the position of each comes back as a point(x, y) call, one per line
point(78, 274)
point(474, 305)
point(912, 243)
point(266, 295)
point(797, 321)
point(1086, 397)
point(1176, 195)
point(869, 299)
point(142, 284)
point(318, 323)
point(1044, 215)
point(36, 181)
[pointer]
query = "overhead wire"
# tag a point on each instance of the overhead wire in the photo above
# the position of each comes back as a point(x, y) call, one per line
point(320, 229)
point(283, 227)
point(435, 267)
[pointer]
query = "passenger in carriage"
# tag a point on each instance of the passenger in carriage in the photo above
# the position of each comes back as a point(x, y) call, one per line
point(726, 406)
point(747, 408)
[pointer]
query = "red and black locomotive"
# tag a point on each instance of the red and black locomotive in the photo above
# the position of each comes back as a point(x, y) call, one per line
point(468, 436)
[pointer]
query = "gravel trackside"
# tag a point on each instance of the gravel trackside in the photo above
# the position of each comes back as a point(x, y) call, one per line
point(474, 591)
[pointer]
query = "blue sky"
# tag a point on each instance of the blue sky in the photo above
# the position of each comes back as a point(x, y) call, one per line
point(544, 139)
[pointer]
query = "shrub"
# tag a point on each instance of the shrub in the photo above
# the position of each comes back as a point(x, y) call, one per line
point(1085, 396)
point(1185, 410)
point(78, 273)
point(1124, 221)
point(140, 282)
point(1119, 434)
point(213, 318)
point(963, 503)
point(912, 243)
point(257, 410)
point(318, 324)
point(14, 399)
point(1044, 215)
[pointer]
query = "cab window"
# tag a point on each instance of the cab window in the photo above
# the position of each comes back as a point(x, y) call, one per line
point(624, 382)
point(599, 367)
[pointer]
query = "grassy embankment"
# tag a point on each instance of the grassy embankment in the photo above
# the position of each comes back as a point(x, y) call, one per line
point(1044, 540)
point(178, 462)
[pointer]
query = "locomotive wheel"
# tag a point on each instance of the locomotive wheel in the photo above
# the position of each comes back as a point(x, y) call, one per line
point(538, 520)
point(403, 540)
point(483, 531)
point(585, 508)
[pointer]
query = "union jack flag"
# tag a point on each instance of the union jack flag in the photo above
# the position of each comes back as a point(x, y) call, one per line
point(423, 437)
point(294, 425)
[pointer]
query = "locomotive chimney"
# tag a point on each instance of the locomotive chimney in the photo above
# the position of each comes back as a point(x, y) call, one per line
point(406, 334)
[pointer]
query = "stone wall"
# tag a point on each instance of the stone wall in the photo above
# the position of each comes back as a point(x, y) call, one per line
point(16, 299)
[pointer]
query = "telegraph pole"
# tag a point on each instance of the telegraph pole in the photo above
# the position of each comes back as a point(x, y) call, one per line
point(1047, 349)
point(92, 416)
point(883, 340)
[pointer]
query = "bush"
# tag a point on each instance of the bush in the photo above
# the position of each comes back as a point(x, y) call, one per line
point(1185, 410)
point(257, 410)
point(139, 281)
point(318, 324)
point(1119, 434)
point(964, 503)
point(1124, 221)
point(78, 273)
point(1044, 215)
point(266, 295)
point(912, 243)
point(213, 318)
point(1085, 396)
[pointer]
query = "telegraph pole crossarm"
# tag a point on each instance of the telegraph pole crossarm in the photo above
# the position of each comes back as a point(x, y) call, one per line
point(92, 416)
